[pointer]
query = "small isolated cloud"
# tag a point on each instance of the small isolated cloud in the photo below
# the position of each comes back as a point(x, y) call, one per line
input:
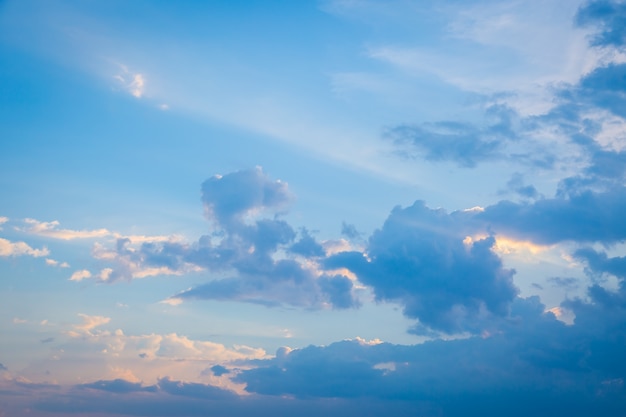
point(3, 368)
point(47, 340)
point(8, 248)
point(53, 262)
point(133, 82)
point(80, 275)
point(88, 324)
point(3, 220)
point(50, 229)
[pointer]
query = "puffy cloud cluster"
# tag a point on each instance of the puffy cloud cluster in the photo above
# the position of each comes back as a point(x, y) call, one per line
point(247, 258)
point(419, 258)
point(534, 361)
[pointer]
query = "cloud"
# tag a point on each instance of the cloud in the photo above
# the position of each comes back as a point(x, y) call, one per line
point(534, 361)
point(50, 229)
point(8, 248)
point(600, 263)
point(118, 386)
point(53, 262)
point(462, 143)
point(219, 370)
point(3, 220)
point(419, 259)
point(89, 323)
point(133, 82)
point(251, 258)
point(80, 275)
point(609, 17)
point(586, 216)
point(516, 185)
point(229, 198)
point(195, 390)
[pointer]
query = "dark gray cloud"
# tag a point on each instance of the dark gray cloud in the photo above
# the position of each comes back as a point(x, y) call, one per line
point(419, 259)
point(3, 368)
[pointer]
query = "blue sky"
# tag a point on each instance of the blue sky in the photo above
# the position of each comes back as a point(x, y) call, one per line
point(408, 208)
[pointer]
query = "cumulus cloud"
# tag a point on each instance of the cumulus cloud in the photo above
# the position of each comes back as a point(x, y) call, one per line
point(249, 257)
point(535, 361)
point(88, 323)
point(80, 275)
point(586, 216)
point(229, 198)
point(8, 248)
point(419, 259)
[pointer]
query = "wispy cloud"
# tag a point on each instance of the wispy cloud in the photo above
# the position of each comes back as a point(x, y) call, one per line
point(50, 229)
point(133, 82)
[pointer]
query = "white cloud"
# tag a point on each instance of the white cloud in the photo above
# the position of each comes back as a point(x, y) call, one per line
point(8, 248)
point(2, 221)
point(80, 275)
point(49, 229)
point(133, 82)
point(89, 323)
point(53, 262)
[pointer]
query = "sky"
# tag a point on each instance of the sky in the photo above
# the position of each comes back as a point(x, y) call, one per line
point(313, 208)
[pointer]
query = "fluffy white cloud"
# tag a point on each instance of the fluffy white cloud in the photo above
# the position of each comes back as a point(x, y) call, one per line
point(80, 275)
point(8, 248)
